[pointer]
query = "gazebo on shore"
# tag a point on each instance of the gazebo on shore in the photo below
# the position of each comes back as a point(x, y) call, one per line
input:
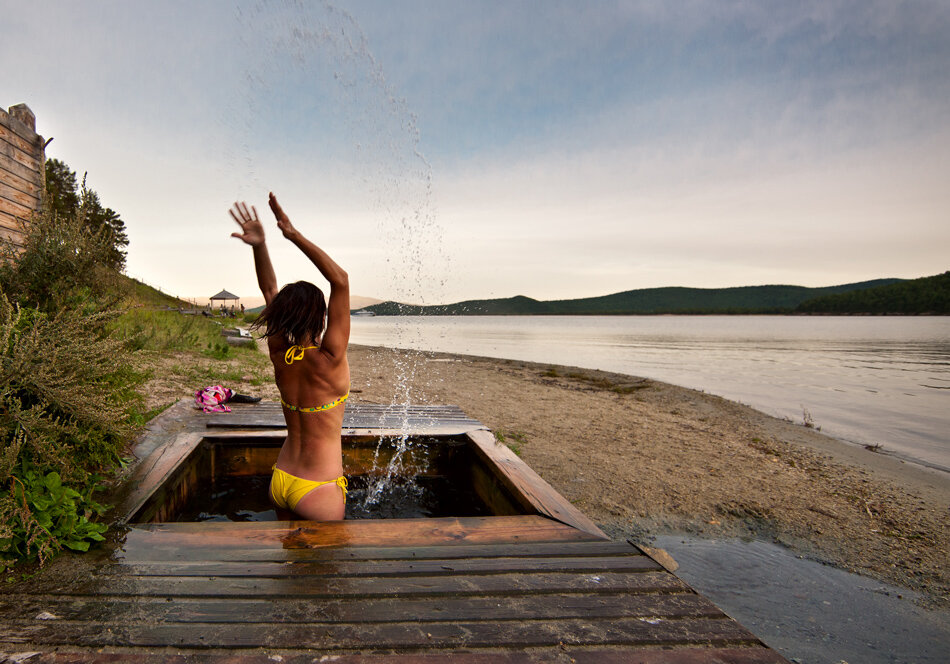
point(224, 296)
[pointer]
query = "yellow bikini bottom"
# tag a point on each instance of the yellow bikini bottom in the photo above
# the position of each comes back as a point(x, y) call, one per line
point(287, 490)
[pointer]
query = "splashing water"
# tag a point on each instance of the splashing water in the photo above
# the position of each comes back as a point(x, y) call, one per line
point(311, 65)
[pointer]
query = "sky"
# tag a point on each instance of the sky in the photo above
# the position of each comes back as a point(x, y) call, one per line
point(457, 149)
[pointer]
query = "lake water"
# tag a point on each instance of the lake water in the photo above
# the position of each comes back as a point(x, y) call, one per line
point(867, 380)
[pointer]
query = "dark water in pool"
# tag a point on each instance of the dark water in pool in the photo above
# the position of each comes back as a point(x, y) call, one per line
point(244, 498)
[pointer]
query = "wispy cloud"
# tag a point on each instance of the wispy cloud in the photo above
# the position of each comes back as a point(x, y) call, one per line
point(457, 149)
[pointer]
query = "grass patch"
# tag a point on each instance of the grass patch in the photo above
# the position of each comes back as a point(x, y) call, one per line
point(513, 439)
point(151, 329)
point(605, 383)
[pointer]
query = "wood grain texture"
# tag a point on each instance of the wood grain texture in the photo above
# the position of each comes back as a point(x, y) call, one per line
point(208, 538)
point(155, 469)
point(528, 486)
point(419, 419)
point(7, 192)
point(408, 609)
point(635, 632)
point(13, 214)
point(563, 653)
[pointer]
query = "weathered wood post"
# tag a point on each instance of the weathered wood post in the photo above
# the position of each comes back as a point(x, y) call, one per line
point(22, 172)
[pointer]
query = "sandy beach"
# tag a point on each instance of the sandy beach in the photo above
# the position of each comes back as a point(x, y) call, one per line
point(644, 458)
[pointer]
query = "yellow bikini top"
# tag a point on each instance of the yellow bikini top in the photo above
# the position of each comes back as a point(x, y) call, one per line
point(296, 353)
point(293, 354)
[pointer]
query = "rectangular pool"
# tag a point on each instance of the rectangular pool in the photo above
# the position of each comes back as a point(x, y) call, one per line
point(226, 478)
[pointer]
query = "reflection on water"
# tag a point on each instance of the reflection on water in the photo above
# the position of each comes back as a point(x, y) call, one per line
point(870, 380)
point(808, 611)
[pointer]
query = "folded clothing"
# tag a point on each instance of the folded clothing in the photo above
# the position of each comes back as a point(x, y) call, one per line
point(211, 399)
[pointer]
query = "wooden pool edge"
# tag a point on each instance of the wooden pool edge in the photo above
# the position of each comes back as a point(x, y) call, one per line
point(534, 495)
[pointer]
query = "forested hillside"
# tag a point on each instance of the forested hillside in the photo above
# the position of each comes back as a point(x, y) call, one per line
point(673, 300)
point(927, 295)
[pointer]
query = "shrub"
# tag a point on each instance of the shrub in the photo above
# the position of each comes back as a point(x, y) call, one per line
point(64, 263)
point(67, 402)
point(68, 398)
point(43, 515)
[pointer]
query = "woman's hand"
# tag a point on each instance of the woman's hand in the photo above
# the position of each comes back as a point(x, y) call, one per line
point(283, 221)
point(252, 230)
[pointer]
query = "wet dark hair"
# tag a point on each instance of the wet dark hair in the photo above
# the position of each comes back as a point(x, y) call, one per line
point(297, 313)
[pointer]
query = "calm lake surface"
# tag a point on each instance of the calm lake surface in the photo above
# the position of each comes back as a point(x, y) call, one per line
point(867, 380)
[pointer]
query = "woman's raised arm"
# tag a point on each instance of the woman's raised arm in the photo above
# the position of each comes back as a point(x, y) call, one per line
point(337, 335)
point(252, 233)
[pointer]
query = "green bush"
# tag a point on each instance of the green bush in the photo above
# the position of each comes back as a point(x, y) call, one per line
point(68, 395)
point(64, 264)
point(67, 403)
point(43, 516)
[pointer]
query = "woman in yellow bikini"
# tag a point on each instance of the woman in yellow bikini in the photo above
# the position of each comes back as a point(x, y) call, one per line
point(310, 368)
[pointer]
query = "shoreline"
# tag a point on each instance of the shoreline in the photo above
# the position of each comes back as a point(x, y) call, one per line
point(644, 458)
point(864, 382)
point(913, 473)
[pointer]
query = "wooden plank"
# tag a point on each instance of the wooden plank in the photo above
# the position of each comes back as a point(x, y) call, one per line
point(273, 409)
point(19, 135)
point(30, 185)
point(750, 655)
point(209, 539)
point(588, 655)
point(342, 568)
point(159, 553)
point(9, 193)
point(13, 225)
point(15, 235)
point(29, 160)
point(14, 210)
point(356, 416)
point(511, 584)
point(529, 487)
point(10, 154)
point(33, 175)
point(490, 489)
point(427, 635)
point(296, 611)
point(155, 469)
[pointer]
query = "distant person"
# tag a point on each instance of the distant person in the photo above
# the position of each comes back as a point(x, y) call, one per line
point(306, 339)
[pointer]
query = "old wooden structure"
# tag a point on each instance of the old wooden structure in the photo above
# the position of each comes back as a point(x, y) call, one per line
point(536, 581)
point(22, 159)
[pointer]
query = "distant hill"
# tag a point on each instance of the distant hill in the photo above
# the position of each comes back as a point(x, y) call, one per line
point(356, 302)
point(671, 300)
point(144, 294)
point(927, 295)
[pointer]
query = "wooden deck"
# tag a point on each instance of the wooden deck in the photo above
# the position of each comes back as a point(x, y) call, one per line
point(358, 417)
point(542, 585)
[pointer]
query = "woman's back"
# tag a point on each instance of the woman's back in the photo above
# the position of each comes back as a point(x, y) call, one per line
point(313, 390)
